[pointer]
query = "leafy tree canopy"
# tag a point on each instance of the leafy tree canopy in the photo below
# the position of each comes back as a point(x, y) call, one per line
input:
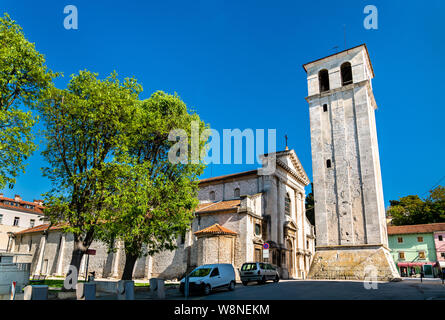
point(155, 201)
point(414, 210)
point(23, 79)
point(85, 127)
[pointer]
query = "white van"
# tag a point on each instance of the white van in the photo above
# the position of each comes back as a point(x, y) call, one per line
point(207, 277)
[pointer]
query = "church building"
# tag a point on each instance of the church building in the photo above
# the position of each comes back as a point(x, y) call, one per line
point(236, 216)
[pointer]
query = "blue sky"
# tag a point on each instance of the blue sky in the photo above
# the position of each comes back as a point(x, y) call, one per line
point(239, 65)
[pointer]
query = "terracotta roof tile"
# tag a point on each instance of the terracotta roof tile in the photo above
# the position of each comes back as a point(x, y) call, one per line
point(218, 206)
point(37, 208)
point(41, 228)
point(416, 228)
point(215, 229)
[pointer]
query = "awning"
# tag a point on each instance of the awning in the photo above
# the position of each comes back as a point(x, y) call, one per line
point(414, 264)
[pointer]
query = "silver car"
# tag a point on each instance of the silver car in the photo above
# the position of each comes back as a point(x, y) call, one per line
point(258, 271)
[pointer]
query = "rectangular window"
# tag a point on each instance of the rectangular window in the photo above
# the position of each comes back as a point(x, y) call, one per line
point(400, 240)
point(16, 221)
point(419, 239)
point(421, 254)
point(440, 236)
point(442, 254)
point(32, 223)
point(257, 229)
point(1, 218)
point(401, 255)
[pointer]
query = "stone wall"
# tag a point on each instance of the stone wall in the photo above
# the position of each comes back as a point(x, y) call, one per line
point(354, 263)
point(349, 204)
point(225, 190)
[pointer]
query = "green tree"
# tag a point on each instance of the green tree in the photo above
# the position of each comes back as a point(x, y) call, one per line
point(310, 206)
point(414, 210)
point(155, 201)
point(436, 201)
point(85, 127)
point(23, 79)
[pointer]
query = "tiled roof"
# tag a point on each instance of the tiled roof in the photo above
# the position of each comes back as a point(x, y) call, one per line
point(41, 228)
point(416, 228)
point(215, 229)
point(229, 176)
point(227, 205)
point(37, 208)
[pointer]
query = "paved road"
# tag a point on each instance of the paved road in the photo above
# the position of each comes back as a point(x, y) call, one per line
point(328, 290)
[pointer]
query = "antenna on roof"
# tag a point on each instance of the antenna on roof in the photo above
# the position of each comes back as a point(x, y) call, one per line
point(285, 137)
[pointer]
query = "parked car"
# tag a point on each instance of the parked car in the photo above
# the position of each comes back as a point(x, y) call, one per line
point(258, 271)
point(207, 277)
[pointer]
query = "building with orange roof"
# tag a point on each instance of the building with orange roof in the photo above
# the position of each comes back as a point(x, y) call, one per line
point(16, 215)
point(418, 248)
point(237, 215)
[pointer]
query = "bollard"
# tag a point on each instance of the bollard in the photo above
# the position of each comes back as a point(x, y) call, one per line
point(36, 292)
point(86, 291)
point(125, 290)
point(157, 288)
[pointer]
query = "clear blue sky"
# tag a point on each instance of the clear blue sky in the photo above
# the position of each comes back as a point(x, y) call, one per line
point(239, 65)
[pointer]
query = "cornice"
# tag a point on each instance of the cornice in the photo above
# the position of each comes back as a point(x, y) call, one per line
point(293, 173)
point(364, 83)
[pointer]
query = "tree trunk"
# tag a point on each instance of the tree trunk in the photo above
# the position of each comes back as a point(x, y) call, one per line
point(77, 255)
point(80, 247)
point(73, 275)
point(130, 261)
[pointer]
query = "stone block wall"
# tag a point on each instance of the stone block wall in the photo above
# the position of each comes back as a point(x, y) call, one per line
point(225, 191)
point(349, 204)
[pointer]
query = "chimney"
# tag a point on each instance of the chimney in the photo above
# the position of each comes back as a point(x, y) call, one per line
point(38, 202)
point(1, 195)
point(17, 198)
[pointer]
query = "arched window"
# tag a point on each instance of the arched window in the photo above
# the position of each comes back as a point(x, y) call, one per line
point(236, 193)
point(287, 204)
point(212, 195)
point(323, 80)
point(346, 74)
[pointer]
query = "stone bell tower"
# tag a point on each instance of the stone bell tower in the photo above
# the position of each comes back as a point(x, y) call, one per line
point(352, 240)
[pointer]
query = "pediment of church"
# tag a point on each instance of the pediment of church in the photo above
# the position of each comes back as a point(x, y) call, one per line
point(290, 225)
point(289, 161)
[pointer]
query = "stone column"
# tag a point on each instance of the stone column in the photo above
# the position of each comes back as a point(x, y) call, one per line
point(272, 208)
point(116, 260)
point(83, 267)
point(12, 244)
point(149, 266)
point(41, 254)
point(59, 270)
point(280, 199)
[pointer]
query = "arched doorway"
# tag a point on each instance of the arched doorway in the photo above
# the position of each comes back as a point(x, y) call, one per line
point(290, 258)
